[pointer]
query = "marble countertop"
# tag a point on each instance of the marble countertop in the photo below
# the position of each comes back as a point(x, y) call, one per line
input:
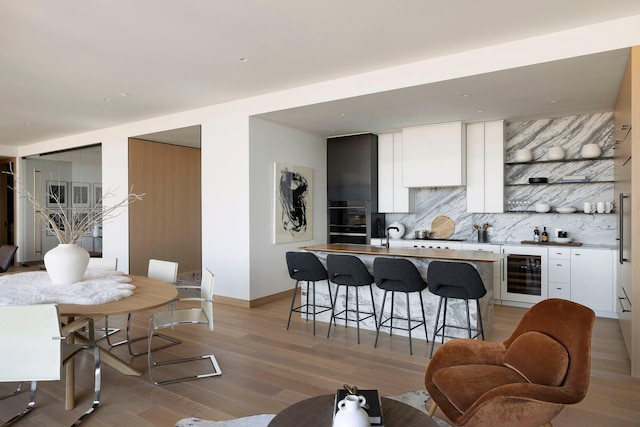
point(443, 254)
point(509, 243)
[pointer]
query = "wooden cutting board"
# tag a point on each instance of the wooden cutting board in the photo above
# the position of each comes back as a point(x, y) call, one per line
point(442, 227)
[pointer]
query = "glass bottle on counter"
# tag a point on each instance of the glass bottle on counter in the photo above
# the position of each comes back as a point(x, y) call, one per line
point(536, 235)
point(545, 236)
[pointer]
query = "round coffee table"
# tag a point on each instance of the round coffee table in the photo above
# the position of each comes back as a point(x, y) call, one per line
point(318, 412)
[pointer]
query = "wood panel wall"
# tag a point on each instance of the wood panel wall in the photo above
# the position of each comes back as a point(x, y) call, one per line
point(167, 224)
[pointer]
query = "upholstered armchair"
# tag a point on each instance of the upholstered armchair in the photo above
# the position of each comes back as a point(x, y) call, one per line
point(524, 381)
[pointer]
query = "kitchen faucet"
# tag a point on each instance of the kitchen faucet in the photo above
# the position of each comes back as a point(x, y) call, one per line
point(390, 228)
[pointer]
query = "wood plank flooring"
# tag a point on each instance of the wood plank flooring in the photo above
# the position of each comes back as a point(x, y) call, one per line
point(266, 368)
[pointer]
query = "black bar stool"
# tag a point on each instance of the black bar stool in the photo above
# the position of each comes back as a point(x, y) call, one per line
point(349, 271)
point(457, 280)
point(399, 275)
point(305, 266)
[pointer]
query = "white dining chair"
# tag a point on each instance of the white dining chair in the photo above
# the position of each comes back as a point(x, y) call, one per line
point(110, 264)
point(175, 317)
point(164, 271)
point(34, 349)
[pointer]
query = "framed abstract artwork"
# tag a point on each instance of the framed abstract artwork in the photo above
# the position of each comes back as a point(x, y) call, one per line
point(293, 201)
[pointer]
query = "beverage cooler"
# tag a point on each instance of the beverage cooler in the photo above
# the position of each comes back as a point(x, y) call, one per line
point(352, 222)
point(524, 274)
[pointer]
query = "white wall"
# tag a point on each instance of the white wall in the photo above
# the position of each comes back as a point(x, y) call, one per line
point(226, 187)
point(270, 142)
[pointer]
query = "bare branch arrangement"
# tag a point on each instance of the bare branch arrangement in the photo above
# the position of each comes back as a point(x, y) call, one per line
point(69, 228)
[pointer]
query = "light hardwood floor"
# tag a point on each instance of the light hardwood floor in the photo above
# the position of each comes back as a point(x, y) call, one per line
point(266, 368)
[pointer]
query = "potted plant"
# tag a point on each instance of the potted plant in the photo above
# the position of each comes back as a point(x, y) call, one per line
point(67, 262)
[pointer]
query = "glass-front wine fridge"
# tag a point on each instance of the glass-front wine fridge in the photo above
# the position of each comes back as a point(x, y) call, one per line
point(524, 274)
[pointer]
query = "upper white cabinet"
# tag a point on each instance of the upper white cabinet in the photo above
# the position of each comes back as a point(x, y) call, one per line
point(485, 167)
point(434, 155)
point(393, 197)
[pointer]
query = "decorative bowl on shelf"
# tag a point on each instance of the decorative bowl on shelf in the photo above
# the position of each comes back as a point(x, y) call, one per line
point(590, 151)
point(555, 153)
point(538, 180)
point(524, 155)
point(565, 209)
point(564, 239)
point(543, 207)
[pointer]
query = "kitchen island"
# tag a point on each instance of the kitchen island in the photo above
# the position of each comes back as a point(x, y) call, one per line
point(456, 313)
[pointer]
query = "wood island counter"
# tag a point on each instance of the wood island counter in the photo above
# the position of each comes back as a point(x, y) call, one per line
point(421, 257)
point(437, 254)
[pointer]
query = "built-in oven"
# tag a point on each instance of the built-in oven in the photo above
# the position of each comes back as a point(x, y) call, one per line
point(524, 274)
point(352, 222)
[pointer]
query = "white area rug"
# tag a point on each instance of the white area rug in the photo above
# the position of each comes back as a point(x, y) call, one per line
point(34, 287)
point(413, 398)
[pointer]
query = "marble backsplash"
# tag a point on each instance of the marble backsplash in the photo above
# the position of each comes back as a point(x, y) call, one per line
point(570, 133)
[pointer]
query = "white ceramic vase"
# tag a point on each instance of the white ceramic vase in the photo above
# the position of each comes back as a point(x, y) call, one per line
point(524, 155)
point(590, 151)
point(555, 153)
point(66, 263)
point(350, 413)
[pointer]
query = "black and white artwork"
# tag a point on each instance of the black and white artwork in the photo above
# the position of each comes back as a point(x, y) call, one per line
point(80, 195)
point(56, 217)
point(56, 194)
point(97, 195)
point(293, 203)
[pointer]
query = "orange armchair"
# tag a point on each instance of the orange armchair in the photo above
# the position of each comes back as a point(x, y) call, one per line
point(524, 381)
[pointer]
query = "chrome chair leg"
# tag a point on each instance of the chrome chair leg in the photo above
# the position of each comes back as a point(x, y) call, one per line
point(153, 364)
point(30, 405)
point(18, 390)
point(128, 340)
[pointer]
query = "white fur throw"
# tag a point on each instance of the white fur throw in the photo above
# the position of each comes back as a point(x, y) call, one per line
point(34, 287)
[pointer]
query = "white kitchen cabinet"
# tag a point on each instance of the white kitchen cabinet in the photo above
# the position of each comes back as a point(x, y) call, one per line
point(560, 273)
point(393, 197)
point(497, 266)
point(592, 279)
point(434, 155)
point(485, 166)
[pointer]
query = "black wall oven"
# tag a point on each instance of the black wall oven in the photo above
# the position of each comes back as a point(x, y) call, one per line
point(352, 222)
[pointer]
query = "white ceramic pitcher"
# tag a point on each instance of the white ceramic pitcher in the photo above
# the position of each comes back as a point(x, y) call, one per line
point(350, 412)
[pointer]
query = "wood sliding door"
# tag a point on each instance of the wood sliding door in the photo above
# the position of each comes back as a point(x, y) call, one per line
point(167, 224)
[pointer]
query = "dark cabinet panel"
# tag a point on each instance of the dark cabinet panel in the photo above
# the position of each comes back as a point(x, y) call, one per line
point(352, 168)
point(352, 189)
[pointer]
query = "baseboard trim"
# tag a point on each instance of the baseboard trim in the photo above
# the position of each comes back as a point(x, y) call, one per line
point(236, 302)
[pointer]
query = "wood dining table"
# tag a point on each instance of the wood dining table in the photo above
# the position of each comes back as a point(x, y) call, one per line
point(148, 294)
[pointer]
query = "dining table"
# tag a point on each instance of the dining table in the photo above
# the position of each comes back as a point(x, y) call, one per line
point(146, 295)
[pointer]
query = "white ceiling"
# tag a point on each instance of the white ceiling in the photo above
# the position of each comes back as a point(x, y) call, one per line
point(73, 66)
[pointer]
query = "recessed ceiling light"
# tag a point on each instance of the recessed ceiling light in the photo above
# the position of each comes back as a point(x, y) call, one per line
point(244, 59)
point(463, 95)
point(124, 94)
point(480, 110)
point(342, 114)
point(106, 99)
point(553, 101)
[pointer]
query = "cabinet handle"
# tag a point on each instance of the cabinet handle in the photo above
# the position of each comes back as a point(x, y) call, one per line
point(624, 310)
point(622, 259)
